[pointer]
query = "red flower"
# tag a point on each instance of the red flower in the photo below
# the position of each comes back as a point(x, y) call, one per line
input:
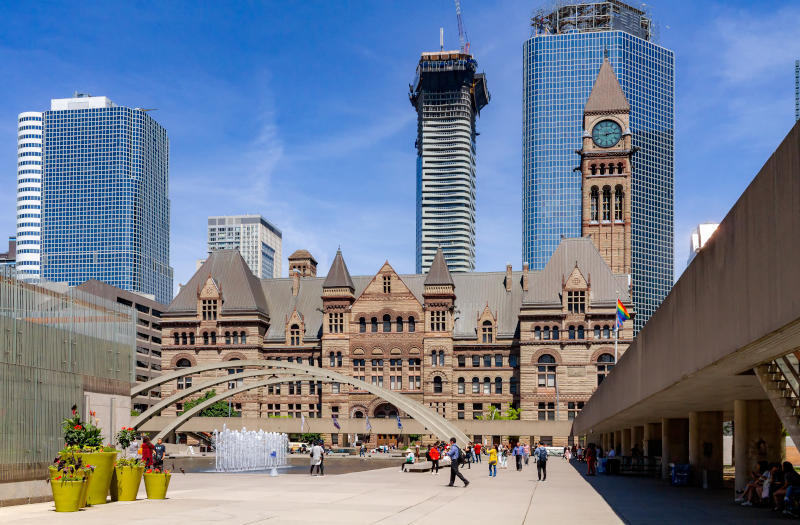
point(77, 427)
point(149, 471)
point(58, 478)
point(74, 411)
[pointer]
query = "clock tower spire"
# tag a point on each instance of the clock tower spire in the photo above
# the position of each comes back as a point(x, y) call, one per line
point(606, 170)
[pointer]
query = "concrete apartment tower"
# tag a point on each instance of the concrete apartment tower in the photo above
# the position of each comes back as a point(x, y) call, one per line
point(447, 94)
point(256, 238)
point(29, 195)
point(105, 196)
point(562, 57)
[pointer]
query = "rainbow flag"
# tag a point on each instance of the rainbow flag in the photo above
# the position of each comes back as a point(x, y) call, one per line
point(622, 314)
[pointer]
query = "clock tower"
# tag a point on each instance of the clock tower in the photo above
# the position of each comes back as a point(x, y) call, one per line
point(606, 170)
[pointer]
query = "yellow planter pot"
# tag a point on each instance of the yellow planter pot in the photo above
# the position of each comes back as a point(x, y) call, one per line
point(67, 494)
point(101, 479)
point(54, 473)
point(126, 483)
point(156, 485)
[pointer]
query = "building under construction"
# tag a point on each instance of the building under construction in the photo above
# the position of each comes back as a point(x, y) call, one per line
point(447, 93)
point(566, 17)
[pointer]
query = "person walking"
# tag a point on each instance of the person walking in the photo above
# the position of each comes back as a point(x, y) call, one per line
point(455, 458)
point(435, 456)
point(591, 459)
point(541, 462)
point(159, 450)
point(468, 456)
point(501, 453)
point(147, 452)
point(477, 449)
point(527, 453)
point(492, 462)
point(316, 458)
point(517, 453)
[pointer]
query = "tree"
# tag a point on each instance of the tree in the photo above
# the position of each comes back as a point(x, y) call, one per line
point(218, 409)
point(310, 437)
point(495, 414)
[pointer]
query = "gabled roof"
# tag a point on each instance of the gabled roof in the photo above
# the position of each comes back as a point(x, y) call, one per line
point(606, 95)
point(241, 290)
point(338, 276)
point(438, 274)
point(606, 286)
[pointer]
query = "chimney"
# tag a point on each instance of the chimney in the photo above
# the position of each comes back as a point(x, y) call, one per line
point(508, 277)
point(525, 276)
point(295, 283)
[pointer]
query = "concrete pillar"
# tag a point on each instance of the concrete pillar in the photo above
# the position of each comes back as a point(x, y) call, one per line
point(652, 439)
point(705, 447)
point(617, 441)
point(674, 443)
point(637, 438)
point(757, 436)
point(625, 443)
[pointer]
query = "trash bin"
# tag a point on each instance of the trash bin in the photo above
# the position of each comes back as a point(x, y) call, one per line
point(679, 474)
point(612, 466)
point(601, 465)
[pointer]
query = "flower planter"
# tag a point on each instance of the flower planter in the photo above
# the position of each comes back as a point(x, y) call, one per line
point(101, 479)
point(156, 484)
point(54, 473)
point(125, 485)
point(67, 494)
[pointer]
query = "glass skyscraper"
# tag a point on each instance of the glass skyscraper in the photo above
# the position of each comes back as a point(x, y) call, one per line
point(105, 202)
point(561, 61)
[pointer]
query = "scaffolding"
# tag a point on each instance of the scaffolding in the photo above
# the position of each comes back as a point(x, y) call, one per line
point(570, 17)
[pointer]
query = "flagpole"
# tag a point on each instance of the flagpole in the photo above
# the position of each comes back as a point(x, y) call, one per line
point(616, 339)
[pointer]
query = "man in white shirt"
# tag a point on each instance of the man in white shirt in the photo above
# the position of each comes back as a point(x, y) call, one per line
point(612, 453)
point(316, 458)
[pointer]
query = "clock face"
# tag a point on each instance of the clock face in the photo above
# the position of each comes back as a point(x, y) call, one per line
point(606, 133)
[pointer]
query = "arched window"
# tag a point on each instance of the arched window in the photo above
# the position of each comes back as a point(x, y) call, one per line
point(441, 357)
point(602, 169)
point(185, 381)
point(387, 323)
point(433, 358)
point(177, 338)
point(399, 324)
point(332, 358)
point(487, 332)
point(294, 335)
point(547, 371)
point(461, 385)
point(476, 386)
point(593, 168)
point(620, 166)
point(618, 203)
point(411, 326)
point(243, 338)
point(555, 332)
point(594, 197)
point(514, 386)
point(537, 333)
point(235, 338)
point(362, 325)
point(358, 414)
point(498, 385)
point(546, 333)
point(606, 332)
point(571, 331)
point(611, 169)
point(227, 338)
point(205, 338)
point(183, 338)
point(605, 362)
point(338, 359)
point(487, 385)
point(437, 385)
point(191, 338)
point(581, 335)
point(597, 332)
point(213, 338)
point(374, 325)
point(606, 203)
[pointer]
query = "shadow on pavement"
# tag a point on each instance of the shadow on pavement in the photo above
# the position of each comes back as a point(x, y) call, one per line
point(645, 500)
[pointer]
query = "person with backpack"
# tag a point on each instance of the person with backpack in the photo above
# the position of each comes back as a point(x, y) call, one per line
point(541, 461)
point(456, 457)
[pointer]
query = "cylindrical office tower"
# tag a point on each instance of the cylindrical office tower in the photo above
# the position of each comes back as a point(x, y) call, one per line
point(447, 94)
point(29, 195)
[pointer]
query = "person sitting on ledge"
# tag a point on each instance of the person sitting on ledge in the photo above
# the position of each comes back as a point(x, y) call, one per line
point(782, 496)
point(754, 489)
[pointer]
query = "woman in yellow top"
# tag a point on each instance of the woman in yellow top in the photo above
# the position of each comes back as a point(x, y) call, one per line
point(493, 462)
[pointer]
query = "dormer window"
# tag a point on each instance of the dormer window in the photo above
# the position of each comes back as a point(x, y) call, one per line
point(294, 335)
point(335, 322)
point(209, 310)
point(576, 302)
point(487, 332)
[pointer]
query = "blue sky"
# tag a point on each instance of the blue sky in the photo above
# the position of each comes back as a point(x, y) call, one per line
point(299, 110)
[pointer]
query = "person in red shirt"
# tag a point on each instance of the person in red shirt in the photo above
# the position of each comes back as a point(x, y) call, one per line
point(147, 452)
point(591, 460)
point(477, 448)
point(435, 457)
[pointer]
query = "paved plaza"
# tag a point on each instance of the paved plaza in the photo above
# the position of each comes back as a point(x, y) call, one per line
point(386, 496)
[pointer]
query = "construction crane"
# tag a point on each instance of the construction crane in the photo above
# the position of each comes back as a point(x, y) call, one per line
point(463, 39)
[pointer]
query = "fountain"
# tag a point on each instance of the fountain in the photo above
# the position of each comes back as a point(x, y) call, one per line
point(240, 450)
